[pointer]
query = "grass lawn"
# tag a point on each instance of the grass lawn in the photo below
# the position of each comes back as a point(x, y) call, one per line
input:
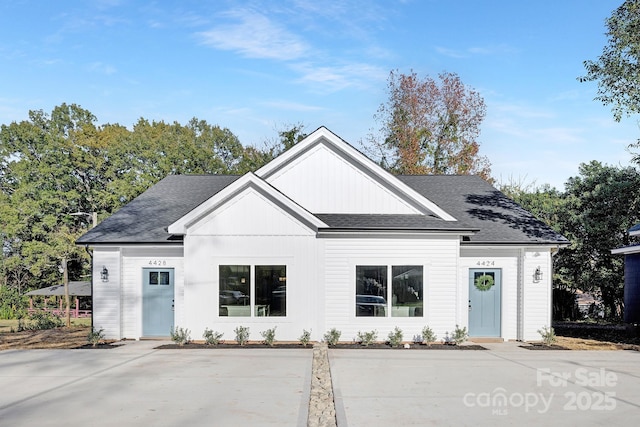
point(6, 325)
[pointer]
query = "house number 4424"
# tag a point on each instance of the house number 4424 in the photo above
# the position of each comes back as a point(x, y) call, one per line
point(486, 263)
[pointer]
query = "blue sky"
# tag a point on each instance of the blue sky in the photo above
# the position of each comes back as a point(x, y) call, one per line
point(256, 67)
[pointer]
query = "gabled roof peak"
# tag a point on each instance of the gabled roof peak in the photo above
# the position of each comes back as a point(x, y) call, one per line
point(333, 142)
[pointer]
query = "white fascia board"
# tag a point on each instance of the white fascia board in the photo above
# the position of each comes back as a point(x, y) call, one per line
point(626, 250)
point(229, 192)
point(360, 158)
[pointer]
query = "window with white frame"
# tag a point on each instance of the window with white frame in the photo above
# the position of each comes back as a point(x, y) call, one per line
point(263, 293)
point(375, 298)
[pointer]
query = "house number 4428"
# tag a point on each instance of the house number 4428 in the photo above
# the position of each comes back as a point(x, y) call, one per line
point(157, 262)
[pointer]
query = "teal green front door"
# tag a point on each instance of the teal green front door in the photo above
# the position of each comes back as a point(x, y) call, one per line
point(485, 287)
point(157, 302)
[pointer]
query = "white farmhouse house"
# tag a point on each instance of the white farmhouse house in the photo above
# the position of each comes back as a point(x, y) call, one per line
point(321, 238)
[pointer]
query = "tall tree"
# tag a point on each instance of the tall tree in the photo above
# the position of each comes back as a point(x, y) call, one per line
point(58, 164)
point(617, 70)
point(430, 127)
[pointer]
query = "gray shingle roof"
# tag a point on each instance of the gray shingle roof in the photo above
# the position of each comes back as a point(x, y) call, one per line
point(476, 205)
point(145, 218)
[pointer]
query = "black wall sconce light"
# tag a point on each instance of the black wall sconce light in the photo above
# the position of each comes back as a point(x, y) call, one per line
point(104, 274)
point(537, 275)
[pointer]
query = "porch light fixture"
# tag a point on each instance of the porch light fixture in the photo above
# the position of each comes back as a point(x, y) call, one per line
point(104, 274)
point(537, 275)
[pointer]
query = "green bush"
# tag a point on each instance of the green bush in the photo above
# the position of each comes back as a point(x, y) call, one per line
point(212, 337)
point(180, 336)
point(269, 336)
point(428, 336)
point(305, 337)
point(332, 336)
point(459, 335)
point(242, 334)
point(395, 337)
point(367, 338)
point(12, 304)
point(95, 337)
point(43, 320)
point(548, 335)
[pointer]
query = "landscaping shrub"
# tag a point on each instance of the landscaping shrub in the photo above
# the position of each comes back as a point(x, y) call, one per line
point(305, 337)
point(332, 336)
point(212, 337)
point(95, 337)
point(269, 336)
point(242, 334)
point(395, 337)
point(367, 338)
point(180, 336)
point(428, 336)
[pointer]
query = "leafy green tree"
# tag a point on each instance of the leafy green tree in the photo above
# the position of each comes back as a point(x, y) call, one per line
point(617, 70)
point(430, 127)
point(55, 165)
point(602, 203)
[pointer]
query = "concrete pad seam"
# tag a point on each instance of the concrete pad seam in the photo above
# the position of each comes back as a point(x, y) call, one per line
point(74, 381)
point(303, 413)
point(338, 401)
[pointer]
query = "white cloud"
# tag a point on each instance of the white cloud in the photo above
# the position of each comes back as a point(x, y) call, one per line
point(335, 78)
point(102, 68)
point(292, 106)
point(255, 36)
point(475, 51)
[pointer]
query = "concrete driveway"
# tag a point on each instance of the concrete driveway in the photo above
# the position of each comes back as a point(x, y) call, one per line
point(135, 385)
point(505, 385)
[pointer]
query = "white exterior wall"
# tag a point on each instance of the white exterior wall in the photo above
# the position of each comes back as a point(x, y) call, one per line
point(493, 258)
point(251, 230)
point(107, 310)
point(204, 255)
point(324, 191)
point(438, 256)
point(134, 259)
point(536, 296)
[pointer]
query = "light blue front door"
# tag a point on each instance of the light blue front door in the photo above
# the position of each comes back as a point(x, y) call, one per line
point(157, 302)
point(484, 302)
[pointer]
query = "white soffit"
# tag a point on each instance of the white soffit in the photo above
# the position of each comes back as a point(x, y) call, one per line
point(229, 192)
point(324, 135)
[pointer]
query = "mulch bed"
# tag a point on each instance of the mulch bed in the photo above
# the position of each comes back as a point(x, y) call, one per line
point(101, 346)
point(341, 346)
point(202, 346)
point(380, 346)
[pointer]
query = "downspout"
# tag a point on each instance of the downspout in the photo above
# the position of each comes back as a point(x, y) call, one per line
point(86, 248)
point(520, 309)
point(553, 252)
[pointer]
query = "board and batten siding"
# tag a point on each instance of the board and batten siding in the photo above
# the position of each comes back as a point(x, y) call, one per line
point(506, 260)
point(134, 260)
point(438, 256)
point(325, 190)
point(106, 295)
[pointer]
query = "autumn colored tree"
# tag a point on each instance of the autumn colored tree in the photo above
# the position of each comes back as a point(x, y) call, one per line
point(430, 127)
